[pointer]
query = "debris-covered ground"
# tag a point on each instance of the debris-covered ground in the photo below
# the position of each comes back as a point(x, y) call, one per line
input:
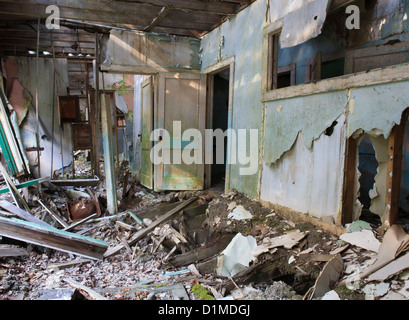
point(219, 246)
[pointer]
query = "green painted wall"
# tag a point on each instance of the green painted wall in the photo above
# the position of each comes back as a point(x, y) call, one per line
point(243, 37)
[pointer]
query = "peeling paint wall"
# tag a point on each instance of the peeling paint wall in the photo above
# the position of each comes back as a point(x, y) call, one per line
point(386, 104)
point(373, 109)
point(157, 52)
point(26, 77)
point(311, 115)
point(302, 168)
point(241, 37)
point(309, 180)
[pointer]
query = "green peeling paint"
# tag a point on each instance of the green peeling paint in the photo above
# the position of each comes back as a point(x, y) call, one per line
point(386, 104)
point(311, 115)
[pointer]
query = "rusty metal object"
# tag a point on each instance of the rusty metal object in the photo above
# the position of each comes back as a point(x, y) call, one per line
point(81, 209)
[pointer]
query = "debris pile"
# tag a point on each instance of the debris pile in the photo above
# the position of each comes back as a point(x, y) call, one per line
point(203, 245)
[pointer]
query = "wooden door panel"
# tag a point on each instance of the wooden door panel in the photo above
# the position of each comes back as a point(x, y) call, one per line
point(147, 128)
point(181, 99)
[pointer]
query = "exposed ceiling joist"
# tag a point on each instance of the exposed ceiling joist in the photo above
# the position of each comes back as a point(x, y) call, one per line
point(162, 14)
point(80, 20)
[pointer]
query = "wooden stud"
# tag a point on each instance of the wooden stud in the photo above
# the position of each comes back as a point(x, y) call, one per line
point(393, 177)
point(109, 165)
point(349, 181)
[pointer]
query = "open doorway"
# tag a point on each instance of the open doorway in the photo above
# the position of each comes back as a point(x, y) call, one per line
point(219, 117)
point(219, 120)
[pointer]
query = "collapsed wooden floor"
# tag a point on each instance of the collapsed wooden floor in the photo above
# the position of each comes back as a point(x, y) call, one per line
point(188, 245)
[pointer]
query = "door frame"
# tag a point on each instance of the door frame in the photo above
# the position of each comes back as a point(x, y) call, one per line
point(150, 81)
point(211, 71)
point(393, 176)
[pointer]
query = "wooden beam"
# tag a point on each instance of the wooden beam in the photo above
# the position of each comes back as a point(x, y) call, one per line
point(356, 80)
point(191, 16)
point(27, 34)
point(91, 293)
point(52, 238)
point(247, 2)
point(10, 40)
point(76, 182)
point(349, 181)
point(113, 7)
point(186, 25)
point(12, 251)
point(109, 163)
point(216, 7)
point(25, 184)
point(162, 14)
point(96, 16)
point(22, 214)
point(179, 32)
point(73, 226)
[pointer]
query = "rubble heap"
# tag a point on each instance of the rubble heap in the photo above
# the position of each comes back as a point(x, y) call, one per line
point(186, 245)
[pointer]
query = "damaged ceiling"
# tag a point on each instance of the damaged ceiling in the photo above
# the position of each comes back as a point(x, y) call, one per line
point(79, 20)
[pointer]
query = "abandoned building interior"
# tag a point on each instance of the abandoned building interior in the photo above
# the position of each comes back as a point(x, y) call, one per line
point(315, 206)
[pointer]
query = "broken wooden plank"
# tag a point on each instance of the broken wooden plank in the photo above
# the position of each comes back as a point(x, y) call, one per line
point(69, 264)
point(208, 266)
point(22, 214)
point(318, 257)
point(93, 216)
point(137, 219)
point(12, 251)
point(143, 232)
point(56, 217)
point(13, 190)
point(266, 270)
point(92, 293)
point(25, 184)
point(126, 245)
point(76, 182)
point(125, 225)
point(201, 253)
point(50, 237)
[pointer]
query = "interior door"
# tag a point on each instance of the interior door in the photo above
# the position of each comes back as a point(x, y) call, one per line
point(181, 102)
point(146, 129)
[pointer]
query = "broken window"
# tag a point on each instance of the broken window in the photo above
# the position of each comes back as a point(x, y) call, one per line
point(368, 168)
point(279, 73)
point(391, 52)
point(323, 67)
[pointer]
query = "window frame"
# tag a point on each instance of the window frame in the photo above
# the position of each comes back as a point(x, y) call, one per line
point(270, 56)
point(324, 58)
point(271, 70)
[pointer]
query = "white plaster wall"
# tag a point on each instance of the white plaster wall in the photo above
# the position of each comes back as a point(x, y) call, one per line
point(309, 180)
point(62, 148)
